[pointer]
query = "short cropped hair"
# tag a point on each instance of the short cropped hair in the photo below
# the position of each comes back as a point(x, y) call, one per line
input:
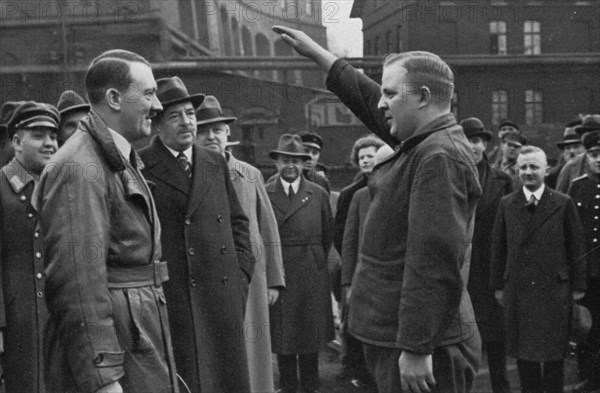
point(426, 69)
point(529, 149)
point(362, 143)
point(110, 70)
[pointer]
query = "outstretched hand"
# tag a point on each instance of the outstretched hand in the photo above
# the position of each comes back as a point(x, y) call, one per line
point(306, 46)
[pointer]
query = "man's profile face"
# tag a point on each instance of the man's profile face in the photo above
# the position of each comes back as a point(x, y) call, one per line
point(213, 136)
point(533, 168)
point(572, 150)
point(139, 103)
point(399, 101)
point(314, 154)
point(289, 167)
point(593, 159)
point(69, 123)
point(477, 147)
point(34, 147)
point(177, 126)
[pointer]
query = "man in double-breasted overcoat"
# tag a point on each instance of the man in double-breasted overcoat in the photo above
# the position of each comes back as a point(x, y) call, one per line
point(268, 277)
point(206, 244)
point(23, 313)
point(538, 269)
point(301, 320)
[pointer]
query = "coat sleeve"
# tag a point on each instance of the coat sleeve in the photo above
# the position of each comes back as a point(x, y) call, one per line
point(240, 226)
point(341, 215)
point(267, 225)
point(350, 242)
point(361, 95)
point(499, 249)
point(438, 243)
point(575, 240)
point(74, 218)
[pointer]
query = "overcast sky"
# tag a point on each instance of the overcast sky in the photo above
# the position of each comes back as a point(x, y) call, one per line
point(344, 35)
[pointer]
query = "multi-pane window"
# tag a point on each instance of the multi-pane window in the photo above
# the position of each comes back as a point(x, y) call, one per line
point(309, 7)
point(376, 46)
point(388, 43)
point(399, 45)
point(367, 47)
point(499, 106)
point(498, 37)
point(531, 38)
point(533, 107)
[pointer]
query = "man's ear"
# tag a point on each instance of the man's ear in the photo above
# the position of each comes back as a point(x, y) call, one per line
point(425, 96)
point(16, 142)
point(114, 99)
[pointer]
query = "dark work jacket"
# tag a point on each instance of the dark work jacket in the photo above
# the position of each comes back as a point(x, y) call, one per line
point(538, 260)
point(341, 212)
point(488, 312)
point(354, 232)
point(97, 216)
point(409, 289)
point(206, 242)
point(23, 308)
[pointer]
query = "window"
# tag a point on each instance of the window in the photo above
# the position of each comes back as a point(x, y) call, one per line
point(531, 38)
point(499, 106)
point(399, 44)
point(533, 107)
point(309, 7)
point(367, 47)
point(498, 37)
point(376, 46)
point(388, 43)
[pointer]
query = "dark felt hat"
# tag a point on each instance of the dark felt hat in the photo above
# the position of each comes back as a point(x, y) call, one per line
point(70, 101)
point(570, 137)
point(591, 140)
point(507, 122)
point(311, 139)
point(31, 114)
point(210, 112)
point(289, 145)
point(171, 91)
point(472, 126)
point(588, 123)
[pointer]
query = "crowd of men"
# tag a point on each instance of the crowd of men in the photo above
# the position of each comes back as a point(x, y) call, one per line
point(175, 268)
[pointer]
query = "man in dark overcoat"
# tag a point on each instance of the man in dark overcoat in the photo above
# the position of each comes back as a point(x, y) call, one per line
point(538, 269)
point(301, 319)
point(32, 130)
point(409, 302)
point(585, 191)
point(108, 329)
point(488, 313)
point(206, 242)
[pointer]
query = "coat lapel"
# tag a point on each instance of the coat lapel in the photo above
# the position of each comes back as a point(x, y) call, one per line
point(165, 167)
point(205, 172)
point(543, 211)
point(279, 199)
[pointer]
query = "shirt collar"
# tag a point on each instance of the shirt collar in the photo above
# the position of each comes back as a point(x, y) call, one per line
point(187, 152)
point(18, 177)
point(537, 193)
point(295, 185)
point(122, 144)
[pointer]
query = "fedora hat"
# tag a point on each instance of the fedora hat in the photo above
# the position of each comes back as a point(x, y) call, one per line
point(570, 136)
point(588, 123)
point(70, 101)
point(31, 114)
point(472, 126)
point(289, 145)
point(210, 112)
point(171, 91)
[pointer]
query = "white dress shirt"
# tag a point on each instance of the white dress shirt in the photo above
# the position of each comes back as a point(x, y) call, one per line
point(537, 193)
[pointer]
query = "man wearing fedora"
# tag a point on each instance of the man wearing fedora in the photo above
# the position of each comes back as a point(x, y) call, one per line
point(301, 319)
point(570, 146)
point(72, 109)
point(488, 313)
point(205, 239)
point(582, 163)
point(268, 277)
point(23, 314)
point(108, 328)
point(585, 191)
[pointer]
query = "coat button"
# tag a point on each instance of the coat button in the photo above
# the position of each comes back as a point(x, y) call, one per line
point(225, 280)
point(38, 255)
point(98, 359)
point(40, 294)
point(220, 218)
point(36, 235)
point(23, 198)
point(598, 196)
point(595, 229)
point(188, 221)
point(595, 240)
point(596, 207)
point(30, 215)
point(193, 283)
point(595, 217)
point(191, 251)
point(223, 249)
point(38, 276)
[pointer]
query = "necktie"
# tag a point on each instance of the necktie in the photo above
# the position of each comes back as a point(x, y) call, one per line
point(291, 193)
point(530, 205)
point(185, 164)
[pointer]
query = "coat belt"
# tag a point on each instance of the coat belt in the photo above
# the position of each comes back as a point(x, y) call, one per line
point(137, 276)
